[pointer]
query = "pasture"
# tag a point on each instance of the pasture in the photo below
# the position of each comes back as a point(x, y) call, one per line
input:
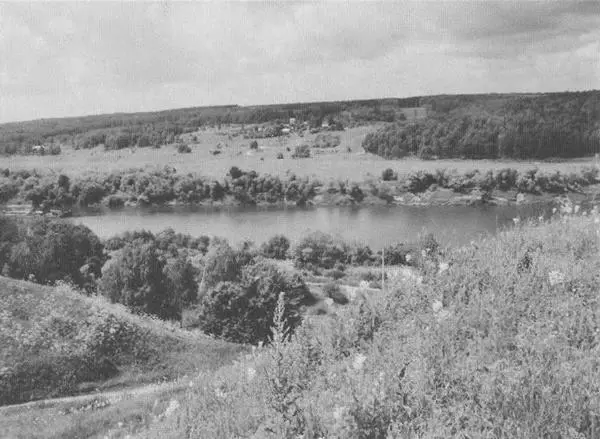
point(325, 164)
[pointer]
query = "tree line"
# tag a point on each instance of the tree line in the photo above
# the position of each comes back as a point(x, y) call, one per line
point(538, 127)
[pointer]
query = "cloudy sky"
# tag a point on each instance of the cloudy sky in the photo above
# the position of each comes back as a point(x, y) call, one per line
point(67, 59)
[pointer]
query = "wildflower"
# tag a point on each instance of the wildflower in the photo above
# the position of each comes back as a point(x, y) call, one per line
point(363, 284)
point(338, 413)
point(516, 220)
point(359, 361)
point(442, 315)
point(443, 267)
point(408, 257)
point(554, 210)
point(437, 306)
point(577, 208)
point(556, 277)
point(219, 392)
point(173, 405)
point(250, 373)
point(541, 218)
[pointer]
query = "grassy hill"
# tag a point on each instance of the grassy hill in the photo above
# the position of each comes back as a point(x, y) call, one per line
point(156, 128)
point(57, 342)
point(500, 339)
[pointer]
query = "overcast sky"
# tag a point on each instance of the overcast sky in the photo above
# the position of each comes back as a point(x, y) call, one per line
point(68, 59)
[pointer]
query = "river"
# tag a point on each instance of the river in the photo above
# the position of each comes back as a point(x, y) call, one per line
point(375, 226)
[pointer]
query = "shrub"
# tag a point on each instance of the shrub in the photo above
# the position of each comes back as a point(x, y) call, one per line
point(419, 181)
point(254, 144)
point(320, 250)
point(52, 250)
point(276, 247)
point(279, 156)
point(235, 172)
point(243, 312)
point(141, 279)
point(389, 175)
point(326, 141)
point(54, 150)
point(224, 263)
point(182, 148)
point(115, 201)
point(301, 152)
point(333, 291)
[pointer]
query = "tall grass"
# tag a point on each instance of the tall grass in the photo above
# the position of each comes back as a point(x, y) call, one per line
point(500, 340)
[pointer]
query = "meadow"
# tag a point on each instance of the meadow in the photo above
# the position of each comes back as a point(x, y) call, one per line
point(328, 164)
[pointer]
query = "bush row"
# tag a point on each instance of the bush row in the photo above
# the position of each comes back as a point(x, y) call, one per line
point(532, 181)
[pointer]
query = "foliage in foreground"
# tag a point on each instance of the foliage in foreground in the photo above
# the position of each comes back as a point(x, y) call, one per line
point(54, 338)
point(243, 311)
point(499, 340)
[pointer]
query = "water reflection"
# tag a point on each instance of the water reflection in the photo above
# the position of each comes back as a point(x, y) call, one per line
point(376, 226)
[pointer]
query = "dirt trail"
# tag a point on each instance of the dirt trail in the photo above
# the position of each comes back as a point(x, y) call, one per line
point(110, 396)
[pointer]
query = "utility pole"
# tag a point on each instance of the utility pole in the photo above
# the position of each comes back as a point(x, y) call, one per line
point(382, 269)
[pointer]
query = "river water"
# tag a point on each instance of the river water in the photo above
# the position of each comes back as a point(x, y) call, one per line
point(375, 226)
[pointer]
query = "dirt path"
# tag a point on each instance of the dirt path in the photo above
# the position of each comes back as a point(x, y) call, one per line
point(110, 396)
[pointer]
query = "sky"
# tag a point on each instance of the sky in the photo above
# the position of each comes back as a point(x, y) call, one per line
point(79, 58)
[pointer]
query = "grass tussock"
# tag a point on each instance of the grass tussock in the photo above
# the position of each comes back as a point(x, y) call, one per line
point(499, 340)
point(55, 339)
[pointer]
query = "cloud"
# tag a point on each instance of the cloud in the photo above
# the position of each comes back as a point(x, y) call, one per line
point(74, 58)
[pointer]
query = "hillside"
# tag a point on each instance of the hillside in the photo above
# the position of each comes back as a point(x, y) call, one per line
point(56, 341)
point(499, 340)
point(579, 111)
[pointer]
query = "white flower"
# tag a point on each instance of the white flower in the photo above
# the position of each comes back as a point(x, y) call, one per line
point(329, 301)
point(443, 267)
point(408, 257)
point(250, 373)
point(577, 207)
point(173, 405)
point(554, 210)
point(359, 361)
point(363, 284)
point(338, 413)
point(443, 314)
point(541, 218)
point(556, 277)
point(437, 306)
point(516, 220)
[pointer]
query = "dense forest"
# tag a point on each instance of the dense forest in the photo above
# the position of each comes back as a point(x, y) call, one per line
point(497, 126)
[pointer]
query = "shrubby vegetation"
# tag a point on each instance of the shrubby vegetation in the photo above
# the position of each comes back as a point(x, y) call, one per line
point(47, 251)
point(482, 346)
point(50, 192)
point(242, 311)
point(532, 181)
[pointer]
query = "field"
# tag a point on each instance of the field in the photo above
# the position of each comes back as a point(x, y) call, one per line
point(335, 163)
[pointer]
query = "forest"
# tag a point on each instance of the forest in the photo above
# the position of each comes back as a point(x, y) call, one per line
point(560, 125)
